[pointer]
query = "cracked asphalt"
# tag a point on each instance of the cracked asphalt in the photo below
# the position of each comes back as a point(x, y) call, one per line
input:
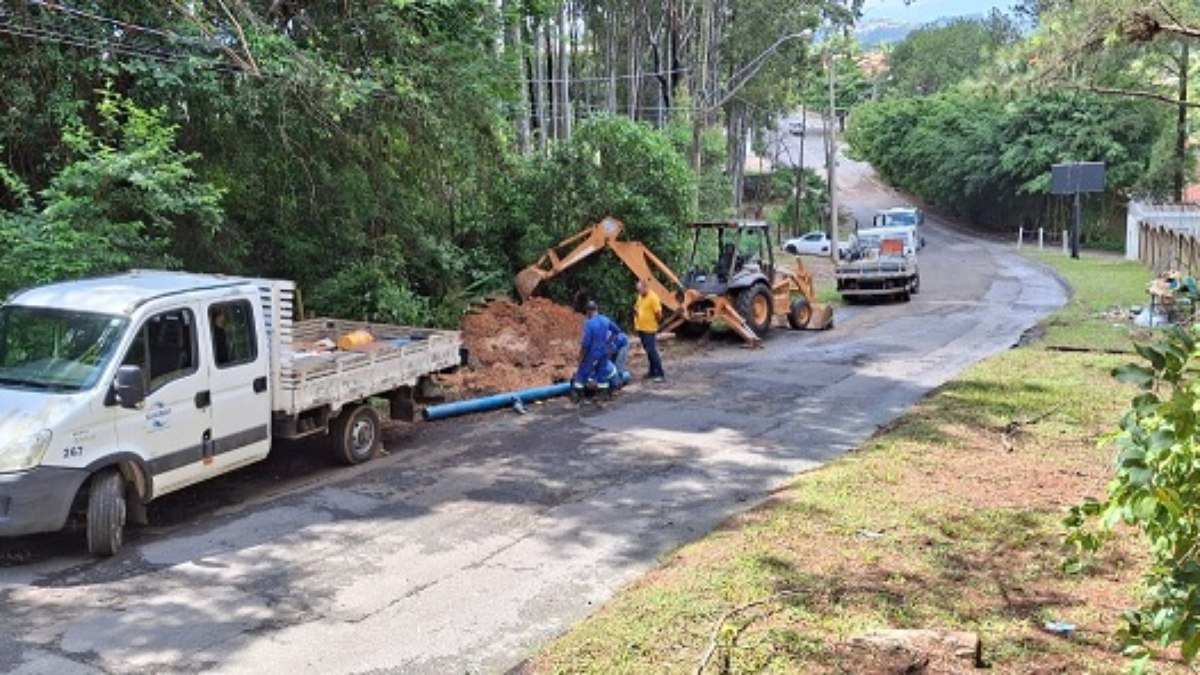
point(476, 539)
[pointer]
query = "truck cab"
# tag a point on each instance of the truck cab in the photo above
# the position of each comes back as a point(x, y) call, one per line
point(145, 383)
point(117, 390)
point(902, 216)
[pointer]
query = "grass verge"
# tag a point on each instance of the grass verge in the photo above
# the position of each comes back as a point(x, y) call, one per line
point(950, 519)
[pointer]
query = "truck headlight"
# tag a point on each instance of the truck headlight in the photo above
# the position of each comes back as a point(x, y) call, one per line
point(24, 453)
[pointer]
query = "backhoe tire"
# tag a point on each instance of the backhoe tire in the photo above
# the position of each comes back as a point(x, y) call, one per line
point(799, 314)
point(355, 435)
point(106, 513)
point(755, 306)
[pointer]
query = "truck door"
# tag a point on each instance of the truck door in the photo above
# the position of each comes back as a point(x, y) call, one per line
point(238, 369)
point(173, 429)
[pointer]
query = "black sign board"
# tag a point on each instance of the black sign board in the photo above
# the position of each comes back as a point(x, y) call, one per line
point(1076, 177)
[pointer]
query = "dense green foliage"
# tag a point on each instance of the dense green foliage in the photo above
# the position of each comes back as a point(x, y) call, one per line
point(1156, 489)
point(989, 159)
point(933, 58)
point(367, 156)
point(125, 198)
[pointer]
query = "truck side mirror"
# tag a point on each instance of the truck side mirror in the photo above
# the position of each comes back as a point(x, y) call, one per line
point(129, 386)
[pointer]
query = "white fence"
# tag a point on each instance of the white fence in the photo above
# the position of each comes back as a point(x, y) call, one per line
point(1164, 236)
point(1043, 238)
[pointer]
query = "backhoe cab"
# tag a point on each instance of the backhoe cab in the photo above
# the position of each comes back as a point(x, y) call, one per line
point(732, 277)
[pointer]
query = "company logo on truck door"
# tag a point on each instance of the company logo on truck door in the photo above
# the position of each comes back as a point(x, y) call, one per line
point(158, 417)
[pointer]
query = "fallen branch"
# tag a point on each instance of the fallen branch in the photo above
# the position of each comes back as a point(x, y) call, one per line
point(1015, 426)
point(714, 639)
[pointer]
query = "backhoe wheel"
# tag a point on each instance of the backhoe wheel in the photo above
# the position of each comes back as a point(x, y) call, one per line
point(355, 435)
point(754, 304)
point(106, 513)
point(799, 314)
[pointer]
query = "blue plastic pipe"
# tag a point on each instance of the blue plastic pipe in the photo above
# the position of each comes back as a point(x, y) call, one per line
point(512, 399)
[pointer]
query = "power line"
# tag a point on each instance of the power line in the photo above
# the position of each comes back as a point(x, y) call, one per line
point(122, 25)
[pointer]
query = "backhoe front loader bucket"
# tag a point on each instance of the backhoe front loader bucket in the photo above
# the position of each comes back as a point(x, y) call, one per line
point(822, 317)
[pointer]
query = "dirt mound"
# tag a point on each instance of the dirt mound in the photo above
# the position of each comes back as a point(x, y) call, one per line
point(515, 346)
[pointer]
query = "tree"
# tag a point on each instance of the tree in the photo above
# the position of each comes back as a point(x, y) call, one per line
point(1156, 490)
point(126, 198)
point(1120, 48)
point(934, 57)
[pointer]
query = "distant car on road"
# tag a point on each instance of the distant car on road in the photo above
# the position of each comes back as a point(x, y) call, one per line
point(813, 243)
point(796, 127)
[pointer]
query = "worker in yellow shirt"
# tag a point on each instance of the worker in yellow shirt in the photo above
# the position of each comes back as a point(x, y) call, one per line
point(647, 313)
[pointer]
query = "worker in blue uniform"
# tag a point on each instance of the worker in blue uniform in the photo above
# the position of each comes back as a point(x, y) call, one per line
point(594, 364)
point(618, 352)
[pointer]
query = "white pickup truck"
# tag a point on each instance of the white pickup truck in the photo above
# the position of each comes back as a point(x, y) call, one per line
point(117, 390)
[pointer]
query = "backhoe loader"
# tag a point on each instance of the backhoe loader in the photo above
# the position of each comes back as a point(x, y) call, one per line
point(744, 292)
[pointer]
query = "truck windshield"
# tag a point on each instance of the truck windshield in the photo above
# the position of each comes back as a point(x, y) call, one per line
point(54, 349)
point(900, 218)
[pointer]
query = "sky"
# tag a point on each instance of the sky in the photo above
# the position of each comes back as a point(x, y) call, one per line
point(924, 11)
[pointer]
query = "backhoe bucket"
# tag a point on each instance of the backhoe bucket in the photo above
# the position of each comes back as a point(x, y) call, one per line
point(527, 281)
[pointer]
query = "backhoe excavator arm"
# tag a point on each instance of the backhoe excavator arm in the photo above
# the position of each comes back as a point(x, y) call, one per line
point(634, 254)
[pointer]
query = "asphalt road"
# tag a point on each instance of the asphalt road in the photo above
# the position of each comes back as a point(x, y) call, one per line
point(475, 540)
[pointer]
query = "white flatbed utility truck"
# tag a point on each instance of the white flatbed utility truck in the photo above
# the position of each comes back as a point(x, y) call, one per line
point(117, 390)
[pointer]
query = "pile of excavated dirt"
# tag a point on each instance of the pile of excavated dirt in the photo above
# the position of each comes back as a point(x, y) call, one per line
point(515, 346)
point(532, 344)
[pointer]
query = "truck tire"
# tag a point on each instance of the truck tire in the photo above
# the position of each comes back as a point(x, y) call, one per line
point(106, 513)
point(355, 435)
point(799, 314)
point(916, 284)
point(755, 306)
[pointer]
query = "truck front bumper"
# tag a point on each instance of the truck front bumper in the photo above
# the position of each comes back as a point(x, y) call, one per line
point(38, 500)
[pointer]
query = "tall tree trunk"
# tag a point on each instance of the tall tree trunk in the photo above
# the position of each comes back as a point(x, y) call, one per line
point(541, 85)
point(610, 67)
point(1181, 130)
point(563, 113)
point(512, 39)
point(633, 74)
point(700, 94)
point(736, 129)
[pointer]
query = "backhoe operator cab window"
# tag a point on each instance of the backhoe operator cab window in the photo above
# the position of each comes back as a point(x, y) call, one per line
point(233, 338)
point(164, 347)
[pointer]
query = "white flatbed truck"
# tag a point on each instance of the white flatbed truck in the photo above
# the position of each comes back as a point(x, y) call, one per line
point(117, 390)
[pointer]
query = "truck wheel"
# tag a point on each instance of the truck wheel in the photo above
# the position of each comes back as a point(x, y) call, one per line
point(355, 435)
point(754, 304)
point(799, 314)
point(916, 284)
point(106, 513)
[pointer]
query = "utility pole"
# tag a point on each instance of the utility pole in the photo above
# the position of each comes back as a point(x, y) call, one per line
point(831, 139)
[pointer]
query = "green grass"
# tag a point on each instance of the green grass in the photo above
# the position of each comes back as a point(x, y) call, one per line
point(1104, 287)
point(942, 521)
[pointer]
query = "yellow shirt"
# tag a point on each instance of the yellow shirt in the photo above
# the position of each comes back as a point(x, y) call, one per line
point(645, 313)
